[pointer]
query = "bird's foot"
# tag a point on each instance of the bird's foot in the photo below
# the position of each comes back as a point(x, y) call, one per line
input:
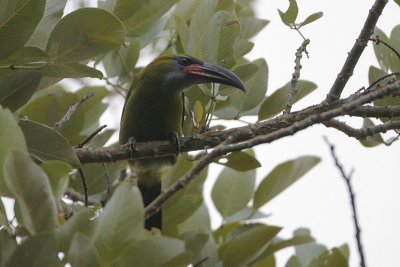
point(132, 144)
point(176, 141)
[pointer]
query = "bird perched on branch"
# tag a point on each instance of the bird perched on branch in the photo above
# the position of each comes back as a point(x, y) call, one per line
point(153, 110)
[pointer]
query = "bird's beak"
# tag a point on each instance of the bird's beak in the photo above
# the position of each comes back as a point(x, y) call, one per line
point(207, 73)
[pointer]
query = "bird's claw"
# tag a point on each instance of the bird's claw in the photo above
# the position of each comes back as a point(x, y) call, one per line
point(132, 144)
point(176, 141)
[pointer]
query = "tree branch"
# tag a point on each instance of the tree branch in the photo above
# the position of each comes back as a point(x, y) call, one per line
point(347, 179)
point(228, 146)
point(363, 133)
point(72, 109)
point(295, 75)
point(315, 114)
point(356, 51)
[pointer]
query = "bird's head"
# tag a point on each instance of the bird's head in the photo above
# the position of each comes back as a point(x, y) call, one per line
point(180, 71)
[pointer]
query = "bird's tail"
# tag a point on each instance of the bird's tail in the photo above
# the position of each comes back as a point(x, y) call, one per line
point(149, 193)
point(149, 173)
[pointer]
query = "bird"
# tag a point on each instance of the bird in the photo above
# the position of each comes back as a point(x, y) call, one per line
point(153, 111)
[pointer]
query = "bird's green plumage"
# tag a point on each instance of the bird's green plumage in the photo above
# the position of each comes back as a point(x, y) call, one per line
point(153, 111)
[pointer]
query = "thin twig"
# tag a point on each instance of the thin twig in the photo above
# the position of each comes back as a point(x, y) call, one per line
point(72, 109)
point(396, 74)
point(90, 137)
point(347, 179)
point(76, 196)
point(356, 51)
point(296, 75)
point(197, 264)
point(108, 184)
point(378, 41)
point(85, 189)
point(117, 88)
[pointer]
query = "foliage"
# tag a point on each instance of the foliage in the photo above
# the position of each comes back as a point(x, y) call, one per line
point(39, 47)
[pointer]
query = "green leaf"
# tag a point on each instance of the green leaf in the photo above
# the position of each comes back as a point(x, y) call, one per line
point(81, 222)
point(198, 221)
point(11, 137)
point(201, 245)
point(293, 262)
point(198, 111)
point(250, 26)
point(18, 20)
point(282, 244)
point(155, 251)
point(52, 15)
point(84, 34)
point(218, 41)
point(276, 102)
point(394, 60)
point(382, 53)
point(25, 55)
point(32, 191)
point(7, 246)
point(242, 161)
point(121, 222)
point(17, 88)
point(58, 101)
point(184, 203)
point(141, 17)
point(82, 252)
point(58, 174)
point(311, 18)
point(233, 190)
point(281, 177)
point(71, 70)
point(96, 177)
point(306, 253)
point(289, 17)
point(38, 250)
point(47, 144)
point(371, 141)
point(242, 248)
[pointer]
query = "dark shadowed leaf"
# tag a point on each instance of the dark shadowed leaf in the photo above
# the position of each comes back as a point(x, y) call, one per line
point(7, 246)
point(233, 190)
point(18, 20)
point(121, 223)
point(276, 102)
point(240, 250)
point(242, 161)
point(374, 140)
point(52, 14)
point(82, 252)
point(11, 137)
point(47, 144)
point(311, 18)
point(38, 250)
point(18, 88)
point(281, 177)
point(84, 34)
point(32, 191)
point(289, 17)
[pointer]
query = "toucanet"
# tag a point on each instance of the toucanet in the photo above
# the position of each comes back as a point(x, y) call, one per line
point(153, 110)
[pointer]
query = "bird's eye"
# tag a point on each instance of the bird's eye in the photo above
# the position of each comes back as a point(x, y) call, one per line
point(184, 61)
